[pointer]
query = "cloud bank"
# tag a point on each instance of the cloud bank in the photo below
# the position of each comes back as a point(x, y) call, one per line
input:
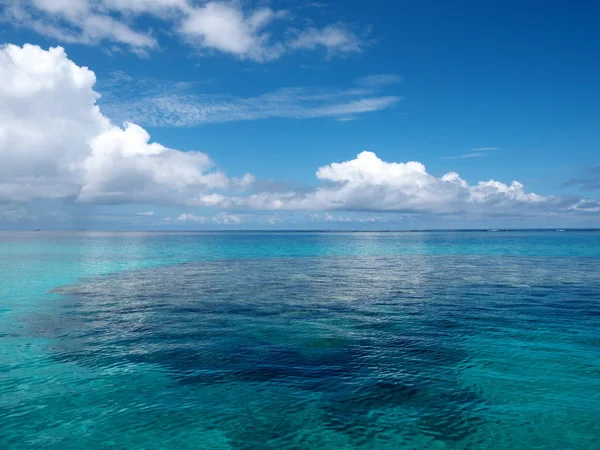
point(367, 183)
point(56, 143)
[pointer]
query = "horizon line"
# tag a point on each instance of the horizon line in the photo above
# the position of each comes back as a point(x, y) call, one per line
point(299, 230)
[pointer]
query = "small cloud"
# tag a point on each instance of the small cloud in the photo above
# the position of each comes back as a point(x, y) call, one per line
point(222, 218)
point(148, 214)
point(484, 149)
point(227, 219)
point(334, 39)
point(228, 28)
point(273, 220)
point(187, 217)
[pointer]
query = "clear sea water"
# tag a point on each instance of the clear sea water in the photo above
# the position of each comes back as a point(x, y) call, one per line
point(441, 340)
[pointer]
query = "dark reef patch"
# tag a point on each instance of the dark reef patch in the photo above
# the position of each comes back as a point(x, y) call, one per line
point(361, 337)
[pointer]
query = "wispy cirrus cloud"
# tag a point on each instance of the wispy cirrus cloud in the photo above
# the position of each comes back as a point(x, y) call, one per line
point(475, 153)
point(167, 104)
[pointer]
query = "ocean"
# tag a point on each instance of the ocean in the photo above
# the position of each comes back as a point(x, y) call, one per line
point(300, 340)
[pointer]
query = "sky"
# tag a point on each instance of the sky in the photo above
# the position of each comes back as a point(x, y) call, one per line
point(281, 114)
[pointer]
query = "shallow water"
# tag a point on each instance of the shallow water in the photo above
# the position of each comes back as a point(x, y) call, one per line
point(300, 340)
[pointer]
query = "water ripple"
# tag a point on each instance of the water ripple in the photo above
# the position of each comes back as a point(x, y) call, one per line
point(368, 352)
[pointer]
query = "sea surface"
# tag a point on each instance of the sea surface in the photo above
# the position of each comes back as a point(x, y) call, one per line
point(431, 340)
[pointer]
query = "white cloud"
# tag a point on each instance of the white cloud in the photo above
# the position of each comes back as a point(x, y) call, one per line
point(188, 217)
point(334, 39)
point(351, 219)
point(124, 167)
point(78, 21)
point(55, 142)
point(227, 219)
point(369, 184)
point(146, 214)
point(222, 218)
point(48, 113)
point(72, 8)
point(362, 105)
point(223, 26)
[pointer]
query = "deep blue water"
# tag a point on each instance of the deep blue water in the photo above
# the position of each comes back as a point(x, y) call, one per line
point(300, 340)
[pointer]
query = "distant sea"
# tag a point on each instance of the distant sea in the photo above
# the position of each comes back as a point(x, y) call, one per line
point(422, 340)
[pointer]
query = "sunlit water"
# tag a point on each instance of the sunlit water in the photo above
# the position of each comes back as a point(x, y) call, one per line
point(300, 340)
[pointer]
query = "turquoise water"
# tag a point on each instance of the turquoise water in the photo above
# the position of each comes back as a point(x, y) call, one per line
point(300, 340)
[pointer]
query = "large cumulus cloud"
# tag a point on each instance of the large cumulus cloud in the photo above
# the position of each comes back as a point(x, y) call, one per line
point(56, 143)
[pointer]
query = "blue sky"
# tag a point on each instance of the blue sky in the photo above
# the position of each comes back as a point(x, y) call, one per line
point(290, 93)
